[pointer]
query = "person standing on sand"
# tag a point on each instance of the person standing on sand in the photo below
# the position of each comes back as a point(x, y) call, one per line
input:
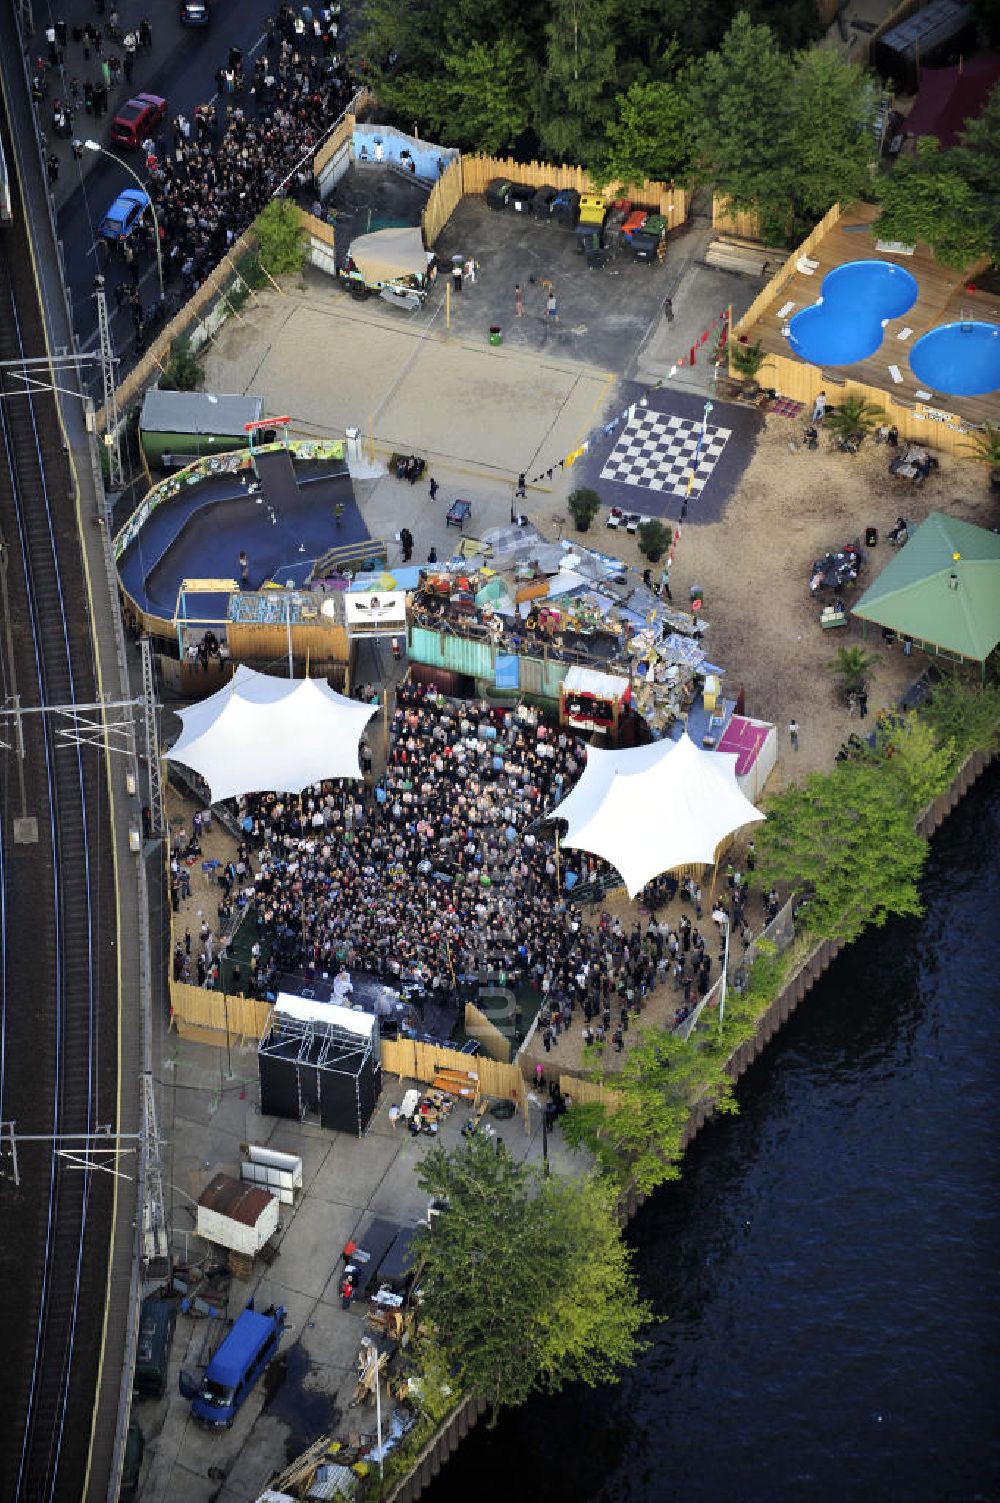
point(793, 734)
point(518, 301)
point(551, 307)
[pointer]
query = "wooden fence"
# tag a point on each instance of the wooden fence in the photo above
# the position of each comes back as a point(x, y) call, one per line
point(486, 1034)
point(414, 1061)
point(583, 1092)
point(444, 198)
point(242, 1019)
point(729, 221)
point(664, 198)
point(783, 276)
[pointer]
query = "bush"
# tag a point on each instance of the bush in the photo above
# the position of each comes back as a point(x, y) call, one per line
point(654, 539)
point(584, 504)
point(281, 237)
point(182, 371)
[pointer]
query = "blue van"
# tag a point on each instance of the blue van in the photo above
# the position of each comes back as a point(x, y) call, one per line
point(236, 1366)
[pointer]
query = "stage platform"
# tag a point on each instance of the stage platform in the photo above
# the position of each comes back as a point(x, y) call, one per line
point(284, 524)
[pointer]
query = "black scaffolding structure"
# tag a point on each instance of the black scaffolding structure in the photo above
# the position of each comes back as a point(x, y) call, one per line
point(321, 1059)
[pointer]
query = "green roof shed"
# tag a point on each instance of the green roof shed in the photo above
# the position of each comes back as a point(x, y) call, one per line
point(942, 589)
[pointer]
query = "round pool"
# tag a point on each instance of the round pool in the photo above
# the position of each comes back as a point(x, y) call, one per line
point(845, 324)
point(960, 359)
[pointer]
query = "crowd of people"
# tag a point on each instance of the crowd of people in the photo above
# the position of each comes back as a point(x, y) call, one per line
point(443, 876)
point(210, 175)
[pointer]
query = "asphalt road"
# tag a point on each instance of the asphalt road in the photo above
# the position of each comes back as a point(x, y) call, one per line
point(180, 66)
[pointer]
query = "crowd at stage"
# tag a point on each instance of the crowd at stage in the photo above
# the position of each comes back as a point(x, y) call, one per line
point(443, 874)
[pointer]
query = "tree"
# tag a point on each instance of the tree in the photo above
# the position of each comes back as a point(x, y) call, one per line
point(639, 1140)
point(747, 359)
point(833, 104)
point(853, 665)
point(182, 371)
point(931, 197)
point(920, 763)
point(853, 419)
point(966, 714)
point(848, 838)
point(281, 237)
point(481, 101)
point(984, 447)
point(651, 137)
point(583, 505)
point(526, 1281)
point(742, 127)
point(578, 80)
point(654, 539)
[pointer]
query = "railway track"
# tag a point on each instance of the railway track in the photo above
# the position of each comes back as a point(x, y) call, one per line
point(58, 970)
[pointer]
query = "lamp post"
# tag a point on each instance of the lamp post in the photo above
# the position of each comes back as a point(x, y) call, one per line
point(725, 969)
point(96, 146)
point(545, 1131)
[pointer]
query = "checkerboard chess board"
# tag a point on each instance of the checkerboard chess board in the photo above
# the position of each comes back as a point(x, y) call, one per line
point(656, 450)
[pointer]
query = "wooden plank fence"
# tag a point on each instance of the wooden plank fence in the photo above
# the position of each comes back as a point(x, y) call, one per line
point(729, 221)
point(242, 1019)
point(486, 1034)
point(783, 276)
point(444, 198)
point(411, 1060)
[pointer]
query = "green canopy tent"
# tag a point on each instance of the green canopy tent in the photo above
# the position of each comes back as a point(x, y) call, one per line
point(942, 589)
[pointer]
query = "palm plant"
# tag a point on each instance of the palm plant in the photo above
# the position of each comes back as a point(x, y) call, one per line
point(853, 419)
point(984, 447)
point(852, 665)
point(747, 359)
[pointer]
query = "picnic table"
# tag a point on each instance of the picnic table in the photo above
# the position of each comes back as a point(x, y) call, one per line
point(458, 513)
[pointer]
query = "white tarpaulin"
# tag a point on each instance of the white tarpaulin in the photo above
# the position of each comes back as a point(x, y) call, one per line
point(384, 255)
point(271, 735)
point(655, 808)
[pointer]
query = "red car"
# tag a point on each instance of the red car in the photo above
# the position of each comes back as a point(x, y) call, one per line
point(137, 119)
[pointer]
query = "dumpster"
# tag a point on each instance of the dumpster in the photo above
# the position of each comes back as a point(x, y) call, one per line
point(498, 193)
point(647, 247)
point(541, 204)
point(593, 209)
point(496, 334)
point(566, 206)
point(521, 197)
point(656, 224)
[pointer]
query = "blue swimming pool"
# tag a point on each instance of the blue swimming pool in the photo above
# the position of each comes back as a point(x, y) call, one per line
point(845, 324)
point(960, 359)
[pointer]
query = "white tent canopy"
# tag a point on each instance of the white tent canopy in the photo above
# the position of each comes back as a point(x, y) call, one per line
point(654, 808)
point(260, 734)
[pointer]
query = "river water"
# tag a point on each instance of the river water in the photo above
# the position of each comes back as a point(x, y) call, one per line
point(826, 1270)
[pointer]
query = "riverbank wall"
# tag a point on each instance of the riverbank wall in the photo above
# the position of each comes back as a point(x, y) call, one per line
point(454, 1429)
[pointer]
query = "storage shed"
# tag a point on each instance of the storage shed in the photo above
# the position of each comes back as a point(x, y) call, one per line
point(936, 34)
point(178, 426)
point(241, 1218)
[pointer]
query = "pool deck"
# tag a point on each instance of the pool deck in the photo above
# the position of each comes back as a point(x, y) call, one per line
point(943, 298)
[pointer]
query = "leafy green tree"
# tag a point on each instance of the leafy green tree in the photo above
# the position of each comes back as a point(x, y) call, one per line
point(578, 80)
point(984, 447)
point(640, 1139)
point(651, 137)
point(920, 763)
point(583, 504)
point(966, 714)
point(747, 359)
point(741, 122)
point(479, 100)
point(654, 539)
point(526, 1280)
point(930, 197)
point(281, 237)
point(848, 838)
point(183, 370)
point(833, 104)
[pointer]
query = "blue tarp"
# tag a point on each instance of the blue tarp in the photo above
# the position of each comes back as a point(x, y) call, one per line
point(508, 671)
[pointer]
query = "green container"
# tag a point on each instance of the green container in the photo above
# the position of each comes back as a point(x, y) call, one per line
point(496, 335)
point(655, 225)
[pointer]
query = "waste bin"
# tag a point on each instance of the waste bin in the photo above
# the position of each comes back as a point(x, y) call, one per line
point(496, 334)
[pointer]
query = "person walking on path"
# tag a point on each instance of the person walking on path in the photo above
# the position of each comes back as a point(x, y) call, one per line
point(551, 306)
point(244, 571)
point(434, 488)
point(456, 276)
point(518, 300)
point(668, 309)
point(793, 734)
